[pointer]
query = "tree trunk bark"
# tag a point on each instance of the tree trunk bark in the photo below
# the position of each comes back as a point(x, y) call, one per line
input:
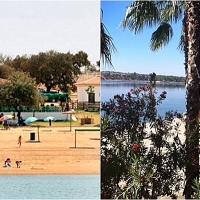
point(192, 95)
point(48, 89)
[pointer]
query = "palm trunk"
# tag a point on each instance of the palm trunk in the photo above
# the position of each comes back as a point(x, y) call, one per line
point(192, 95)
point(185, 42)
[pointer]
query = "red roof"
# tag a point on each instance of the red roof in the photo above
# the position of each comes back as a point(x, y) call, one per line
point(92, 81)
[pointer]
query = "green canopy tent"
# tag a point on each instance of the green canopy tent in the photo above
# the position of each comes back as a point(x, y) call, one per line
point(56, 96)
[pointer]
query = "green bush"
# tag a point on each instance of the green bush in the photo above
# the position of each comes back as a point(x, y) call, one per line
point(141, 153)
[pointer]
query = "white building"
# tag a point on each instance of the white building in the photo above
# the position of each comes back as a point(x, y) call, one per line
point(82, 86)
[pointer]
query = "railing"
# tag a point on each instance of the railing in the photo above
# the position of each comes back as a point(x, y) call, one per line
point(93, 106)
point(40, 109)
point(86, 105)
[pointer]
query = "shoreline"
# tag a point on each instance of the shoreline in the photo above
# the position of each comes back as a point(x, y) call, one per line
point(145, 82)
point(41, 174)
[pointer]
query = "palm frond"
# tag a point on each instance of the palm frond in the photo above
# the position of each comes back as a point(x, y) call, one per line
point(161, 36)
point(172, 11)
point(140, 15)
point(181, 44)
point(107, 46)
point(152, 13)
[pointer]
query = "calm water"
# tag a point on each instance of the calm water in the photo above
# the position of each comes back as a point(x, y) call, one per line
point(175, 94)
point(50, 187)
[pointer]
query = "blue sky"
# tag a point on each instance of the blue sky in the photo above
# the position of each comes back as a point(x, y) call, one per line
point(134, 54)
point(30, 27)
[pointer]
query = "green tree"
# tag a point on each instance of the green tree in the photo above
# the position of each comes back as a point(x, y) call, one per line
point(19, 63)
point(6, 71)
point(142, 14)
point(80, 59)
point(91, 68)
point(56, 69)
point(90, 89)
point(20, 90)
point(4, 58)
point(51, 68)
point(98, 65)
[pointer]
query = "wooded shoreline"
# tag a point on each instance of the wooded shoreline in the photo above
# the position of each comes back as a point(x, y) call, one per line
point(121, 76)
point(145, 82)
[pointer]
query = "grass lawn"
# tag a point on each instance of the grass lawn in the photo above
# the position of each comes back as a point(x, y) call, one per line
point(79, 115)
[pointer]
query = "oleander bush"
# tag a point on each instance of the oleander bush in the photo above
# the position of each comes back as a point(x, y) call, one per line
point(142, 155)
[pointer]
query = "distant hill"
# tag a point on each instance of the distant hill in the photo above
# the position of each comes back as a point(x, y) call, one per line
point(110, 75)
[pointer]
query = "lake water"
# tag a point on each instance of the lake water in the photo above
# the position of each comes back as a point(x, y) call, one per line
point(175, 94)
point(50, 187)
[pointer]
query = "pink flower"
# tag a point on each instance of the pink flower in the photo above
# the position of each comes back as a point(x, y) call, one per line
point(140, 128)
point(136, 147)
point(142, 179)
point(132, 90)
point(146, 89)
point(185, 133)
point(163, 95)
point(142, 87)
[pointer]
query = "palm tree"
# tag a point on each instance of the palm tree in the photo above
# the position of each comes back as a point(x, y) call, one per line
point(141, 14)
point(107, 45)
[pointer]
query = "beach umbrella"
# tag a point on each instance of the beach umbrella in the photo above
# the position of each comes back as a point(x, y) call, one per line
point(30, 119)
point(6, 117)
point(49, 118)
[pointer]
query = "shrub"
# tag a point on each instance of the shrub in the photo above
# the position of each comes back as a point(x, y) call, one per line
point(141, 153)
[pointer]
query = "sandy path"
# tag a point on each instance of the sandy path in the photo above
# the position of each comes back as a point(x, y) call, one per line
point(53, 154)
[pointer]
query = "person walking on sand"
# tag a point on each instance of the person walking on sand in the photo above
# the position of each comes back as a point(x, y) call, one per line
point(18, 163)
point(20, 141)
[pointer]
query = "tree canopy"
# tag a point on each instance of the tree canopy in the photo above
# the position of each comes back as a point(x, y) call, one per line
point(5, 71)
point(52, 68)
point(20, 90)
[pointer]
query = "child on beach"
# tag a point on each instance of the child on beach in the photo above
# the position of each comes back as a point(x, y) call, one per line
point(18, 163)
point(20, 140)
point(7, 162)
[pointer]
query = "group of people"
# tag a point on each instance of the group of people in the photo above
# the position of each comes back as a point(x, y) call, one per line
point(6, 125)
point(7, 163)
point(4, 122)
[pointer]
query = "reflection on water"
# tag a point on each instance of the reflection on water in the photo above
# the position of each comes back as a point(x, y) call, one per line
point(175, 93)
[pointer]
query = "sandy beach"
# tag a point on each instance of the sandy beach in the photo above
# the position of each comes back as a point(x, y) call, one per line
point(54, 154)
